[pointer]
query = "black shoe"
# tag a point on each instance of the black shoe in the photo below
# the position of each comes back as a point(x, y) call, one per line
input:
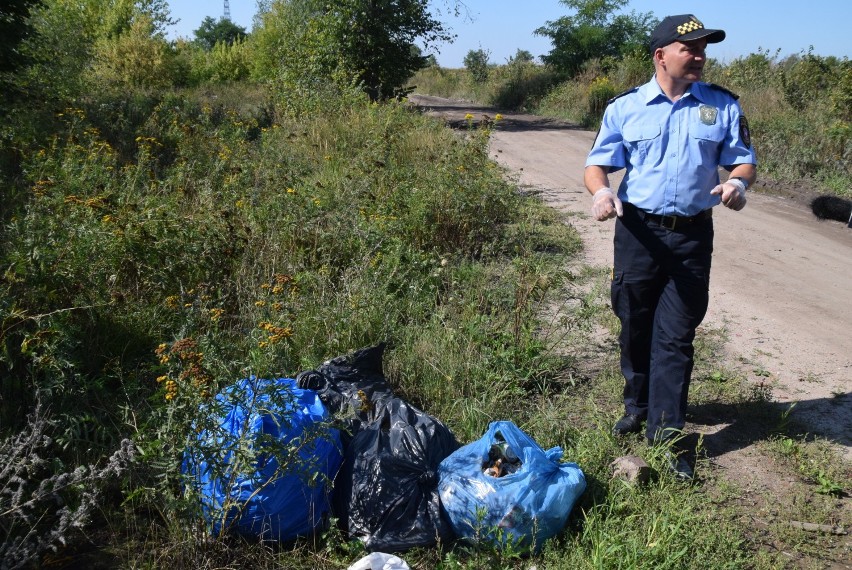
point(678, 465)
point(629, 423)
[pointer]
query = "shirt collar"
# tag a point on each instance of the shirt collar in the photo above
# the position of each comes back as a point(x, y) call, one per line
point(698, 91)
point(651, 90)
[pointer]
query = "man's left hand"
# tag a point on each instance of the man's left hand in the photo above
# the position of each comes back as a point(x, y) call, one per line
point(732, 192)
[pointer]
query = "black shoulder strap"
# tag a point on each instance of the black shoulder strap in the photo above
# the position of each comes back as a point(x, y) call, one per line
point(628, 92)
point(723, 90)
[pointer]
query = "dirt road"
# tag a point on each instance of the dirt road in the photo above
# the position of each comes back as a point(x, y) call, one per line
point(780, 283)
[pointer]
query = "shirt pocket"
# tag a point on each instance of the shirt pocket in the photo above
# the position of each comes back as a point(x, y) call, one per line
point(640, 141)
point(707, 137)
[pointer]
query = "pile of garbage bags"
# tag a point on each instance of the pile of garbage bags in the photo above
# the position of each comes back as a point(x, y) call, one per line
point(278, 457)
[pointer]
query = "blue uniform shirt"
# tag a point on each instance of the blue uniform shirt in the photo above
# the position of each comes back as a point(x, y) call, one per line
point(671, 151)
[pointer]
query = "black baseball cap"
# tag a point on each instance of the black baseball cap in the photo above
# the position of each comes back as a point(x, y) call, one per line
point(682, 28)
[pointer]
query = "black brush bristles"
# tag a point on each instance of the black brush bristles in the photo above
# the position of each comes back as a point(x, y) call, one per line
point(832, 208)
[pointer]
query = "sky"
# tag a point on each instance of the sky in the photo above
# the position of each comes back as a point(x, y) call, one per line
point(501, 27)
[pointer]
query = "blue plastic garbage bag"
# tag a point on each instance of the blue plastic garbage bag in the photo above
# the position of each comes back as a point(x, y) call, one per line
point(525, 505)
point(263, 463)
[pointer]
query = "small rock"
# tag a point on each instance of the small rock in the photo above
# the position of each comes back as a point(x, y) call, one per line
point(632, 469)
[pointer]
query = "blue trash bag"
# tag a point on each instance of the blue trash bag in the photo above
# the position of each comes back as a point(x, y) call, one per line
point(524, 498)
point(262, 465)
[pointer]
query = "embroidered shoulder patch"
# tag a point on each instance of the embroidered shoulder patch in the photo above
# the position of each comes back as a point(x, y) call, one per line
point(745, 134)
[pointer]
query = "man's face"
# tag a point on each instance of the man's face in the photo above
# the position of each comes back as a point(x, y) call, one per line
point(683, 61)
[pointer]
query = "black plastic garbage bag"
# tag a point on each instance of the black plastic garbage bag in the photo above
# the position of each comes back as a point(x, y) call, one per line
point(353, 385)
point(386, 493)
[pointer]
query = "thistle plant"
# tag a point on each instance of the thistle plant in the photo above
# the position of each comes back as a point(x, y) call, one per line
point(42, 504)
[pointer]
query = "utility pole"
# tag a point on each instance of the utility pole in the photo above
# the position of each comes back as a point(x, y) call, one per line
point(227, 15)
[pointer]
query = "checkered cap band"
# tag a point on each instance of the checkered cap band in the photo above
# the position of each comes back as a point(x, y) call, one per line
point(690, 26)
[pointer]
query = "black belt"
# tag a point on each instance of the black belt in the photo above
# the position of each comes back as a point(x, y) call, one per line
point(670, 222)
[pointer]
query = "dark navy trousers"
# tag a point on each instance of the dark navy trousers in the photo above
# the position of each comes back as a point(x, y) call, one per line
point(660, 292)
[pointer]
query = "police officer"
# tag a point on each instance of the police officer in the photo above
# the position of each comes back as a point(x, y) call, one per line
point(670, 135)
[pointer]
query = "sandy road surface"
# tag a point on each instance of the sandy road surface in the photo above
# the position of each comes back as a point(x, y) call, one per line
point(780, 284)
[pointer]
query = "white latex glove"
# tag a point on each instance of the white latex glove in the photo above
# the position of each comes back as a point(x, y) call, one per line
point(732, 192)
point(606, 205)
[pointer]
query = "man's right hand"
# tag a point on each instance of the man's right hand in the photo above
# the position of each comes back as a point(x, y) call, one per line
point(732, 193)
point(606, 205)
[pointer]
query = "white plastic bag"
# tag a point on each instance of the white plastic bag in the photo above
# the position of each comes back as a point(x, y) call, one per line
point(380, 561)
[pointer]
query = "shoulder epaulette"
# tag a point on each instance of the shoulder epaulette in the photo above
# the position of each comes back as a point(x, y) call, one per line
point(628, 92)
point(723, 90)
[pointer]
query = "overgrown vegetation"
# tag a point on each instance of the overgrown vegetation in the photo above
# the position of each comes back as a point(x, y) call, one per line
point(172, 227)
point(799, 107)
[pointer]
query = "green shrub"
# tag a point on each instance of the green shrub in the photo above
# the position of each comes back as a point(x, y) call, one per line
point(520, 84)
point(442, 82)
point(476, 63)
point(630, 70)
point(747, 73)
point(230, 62)
point(600, 92)
point(568, 100)
point(806, 79)
point(223, 63)
point(134, 58)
